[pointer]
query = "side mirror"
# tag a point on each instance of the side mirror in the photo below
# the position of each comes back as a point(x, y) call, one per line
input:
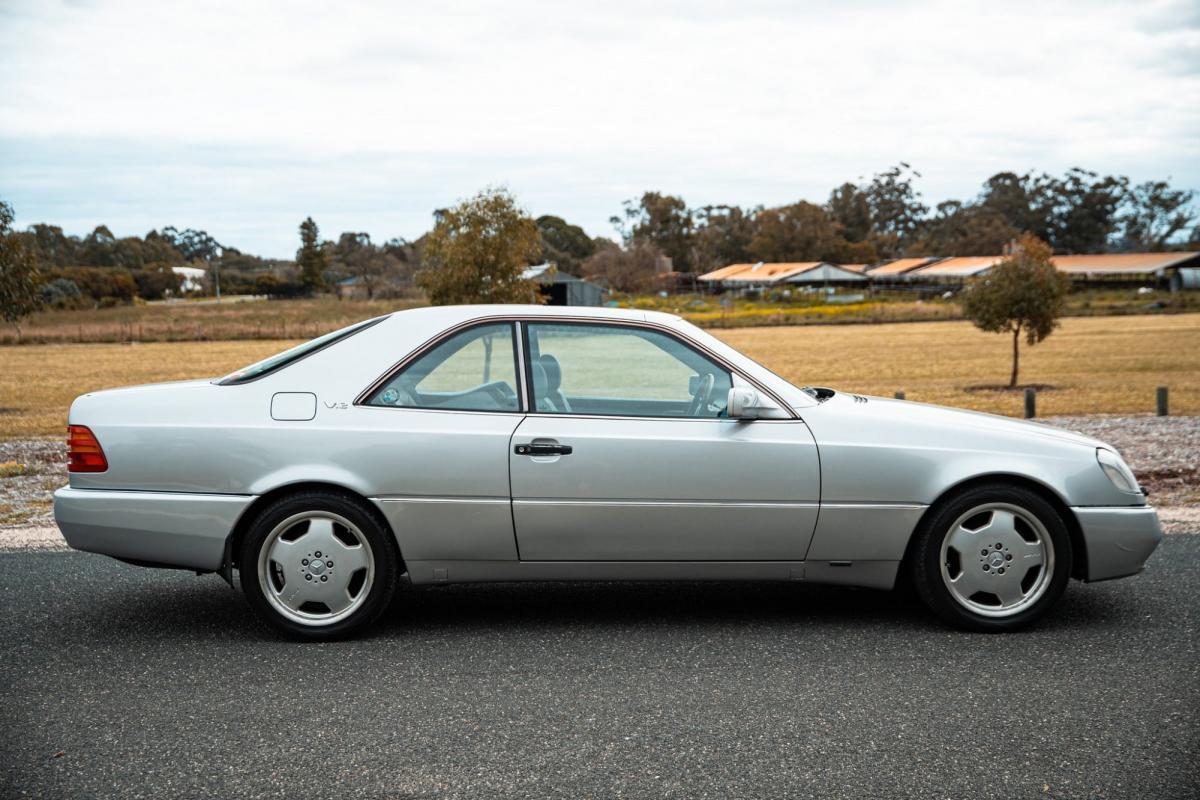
point(746, 403)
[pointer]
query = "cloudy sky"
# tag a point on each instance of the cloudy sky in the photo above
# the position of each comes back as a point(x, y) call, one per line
point(242, 118)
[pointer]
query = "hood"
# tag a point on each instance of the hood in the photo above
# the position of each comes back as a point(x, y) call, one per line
point(949, 421)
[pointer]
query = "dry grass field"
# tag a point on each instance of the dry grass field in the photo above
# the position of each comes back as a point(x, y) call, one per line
point(1096, 364)
point(205, 320)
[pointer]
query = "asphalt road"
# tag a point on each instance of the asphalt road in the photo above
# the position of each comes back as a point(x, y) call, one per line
point(121, 682)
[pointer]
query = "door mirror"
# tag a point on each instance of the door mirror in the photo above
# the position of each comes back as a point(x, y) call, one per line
point(746, 403)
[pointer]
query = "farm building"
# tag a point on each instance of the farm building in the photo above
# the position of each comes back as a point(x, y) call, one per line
point(761, 275)
point(896, 269)
point(561, 289)
point(1172, 269)
point(953, 270)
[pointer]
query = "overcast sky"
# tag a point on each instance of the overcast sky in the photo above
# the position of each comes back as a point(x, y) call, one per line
point(242, 118)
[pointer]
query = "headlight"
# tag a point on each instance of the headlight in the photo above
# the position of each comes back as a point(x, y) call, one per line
point(1117, 471)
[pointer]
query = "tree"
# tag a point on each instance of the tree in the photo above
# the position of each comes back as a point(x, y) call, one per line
point(477, 250)
point(896, 209)
point(355, 255)
point(1023, 293)
point(19, 277)
point(722, 237)
point(564, 244)
point(1077, 213)
point(1156, 213)
point(964, 230)
point(311, 259)
point(664, 220)
point(799, 232)
point(631, 270)
point(849, 207)
point(1084, 212)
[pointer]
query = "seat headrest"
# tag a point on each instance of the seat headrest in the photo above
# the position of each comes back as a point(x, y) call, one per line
point(553, 371)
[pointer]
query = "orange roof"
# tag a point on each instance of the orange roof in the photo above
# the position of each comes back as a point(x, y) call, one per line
point(963, 266)
point(900, 265)
point(1121, 262)
point(718, 274)
point(760, 272)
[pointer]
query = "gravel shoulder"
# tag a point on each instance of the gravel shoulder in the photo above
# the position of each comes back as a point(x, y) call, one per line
point(1163, 451)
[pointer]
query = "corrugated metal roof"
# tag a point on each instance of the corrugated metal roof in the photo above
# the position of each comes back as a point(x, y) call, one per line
point(822, 273)
point(963, 266)
point(1116, 263)
point(760, 272)
point(852, 267)
point(899, 266)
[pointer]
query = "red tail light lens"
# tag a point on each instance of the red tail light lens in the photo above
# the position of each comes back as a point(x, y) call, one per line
point(84, 453)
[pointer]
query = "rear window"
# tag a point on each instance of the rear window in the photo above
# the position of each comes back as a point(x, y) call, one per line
point(281, 360)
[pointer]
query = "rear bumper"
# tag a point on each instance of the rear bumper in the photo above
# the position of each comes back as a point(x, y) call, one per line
point(1118, 540)
point(182, 530)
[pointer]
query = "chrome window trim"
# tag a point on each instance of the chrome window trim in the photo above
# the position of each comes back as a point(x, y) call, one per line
point(520, 320)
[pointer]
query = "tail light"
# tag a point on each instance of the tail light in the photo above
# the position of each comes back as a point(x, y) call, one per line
point(84, 453)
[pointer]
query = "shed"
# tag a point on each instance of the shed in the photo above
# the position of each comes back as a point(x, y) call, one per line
point(775, 274)
point(561, 289)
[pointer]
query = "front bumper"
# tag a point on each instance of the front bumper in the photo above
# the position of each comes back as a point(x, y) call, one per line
point(1118, 540)
point(180, 530)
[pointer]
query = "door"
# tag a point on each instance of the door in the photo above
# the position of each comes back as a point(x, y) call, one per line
point(628, 456)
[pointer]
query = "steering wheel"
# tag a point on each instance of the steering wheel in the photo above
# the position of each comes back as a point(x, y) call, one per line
point(702, 396)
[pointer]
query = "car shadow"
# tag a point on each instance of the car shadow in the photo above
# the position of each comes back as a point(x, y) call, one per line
point(207, 609)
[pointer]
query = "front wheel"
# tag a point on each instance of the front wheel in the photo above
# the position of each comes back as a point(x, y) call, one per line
point(992, 558)
point(318, 565)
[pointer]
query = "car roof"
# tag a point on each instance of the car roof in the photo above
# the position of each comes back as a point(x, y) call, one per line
point(451, 315)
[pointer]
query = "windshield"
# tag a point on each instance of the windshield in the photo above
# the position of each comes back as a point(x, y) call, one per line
point(281, 360)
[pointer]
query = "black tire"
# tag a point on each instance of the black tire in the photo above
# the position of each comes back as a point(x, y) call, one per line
point(382, 550)
point(925, 563)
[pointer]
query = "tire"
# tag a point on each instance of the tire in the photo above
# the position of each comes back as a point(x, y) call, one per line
point(318, 565)
point(991, 558)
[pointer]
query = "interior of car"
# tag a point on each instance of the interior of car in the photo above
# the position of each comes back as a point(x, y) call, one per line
point(574, 368)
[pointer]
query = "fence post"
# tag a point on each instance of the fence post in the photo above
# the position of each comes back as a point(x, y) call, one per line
point(899, 395)
point(1030, 403)
point(1161, 400)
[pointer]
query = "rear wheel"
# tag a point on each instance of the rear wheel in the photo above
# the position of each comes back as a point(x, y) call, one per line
point(992, 558)
point(318, 565)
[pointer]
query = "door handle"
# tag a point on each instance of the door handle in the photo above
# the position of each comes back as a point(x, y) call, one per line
point(540, 449)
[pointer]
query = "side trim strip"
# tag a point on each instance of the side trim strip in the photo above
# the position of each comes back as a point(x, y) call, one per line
point(389, 498)
point(530, 501)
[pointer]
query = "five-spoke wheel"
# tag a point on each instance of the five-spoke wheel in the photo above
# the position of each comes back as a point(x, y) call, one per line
point(992, 557)
point(318, 564)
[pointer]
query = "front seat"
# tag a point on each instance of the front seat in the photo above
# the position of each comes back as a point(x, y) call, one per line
point(541, 389)
point(553, 372)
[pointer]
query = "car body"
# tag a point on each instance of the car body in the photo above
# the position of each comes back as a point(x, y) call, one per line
point(500, 443)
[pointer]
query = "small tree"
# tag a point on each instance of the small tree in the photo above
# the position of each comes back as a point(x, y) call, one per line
point(19, 278)
point(311, 259)
point(1023, 293)
point(476, 251)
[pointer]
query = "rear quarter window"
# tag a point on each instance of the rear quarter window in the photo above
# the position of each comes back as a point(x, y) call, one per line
point(289, 357)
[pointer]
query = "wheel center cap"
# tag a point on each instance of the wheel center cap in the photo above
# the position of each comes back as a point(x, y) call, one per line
point(997, 560)
point(316, 567)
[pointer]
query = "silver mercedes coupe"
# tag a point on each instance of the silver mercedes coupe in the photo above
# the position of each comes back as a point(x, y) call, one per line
point(530, 443)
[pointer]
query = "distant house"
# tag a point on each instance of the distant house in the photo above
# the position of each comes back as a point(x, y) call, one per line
point(352, 288)
point(561, 289)
point(192, 278)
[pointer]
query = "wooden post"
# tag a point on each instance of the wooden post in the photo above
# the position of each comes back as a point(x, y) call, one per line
point(899, 395)
point(1030, 403)
point(1161, 400)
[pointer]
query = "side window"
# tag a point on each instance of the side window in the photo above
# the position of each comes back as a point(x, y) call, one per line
point(473, 370)
point(621, 370)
